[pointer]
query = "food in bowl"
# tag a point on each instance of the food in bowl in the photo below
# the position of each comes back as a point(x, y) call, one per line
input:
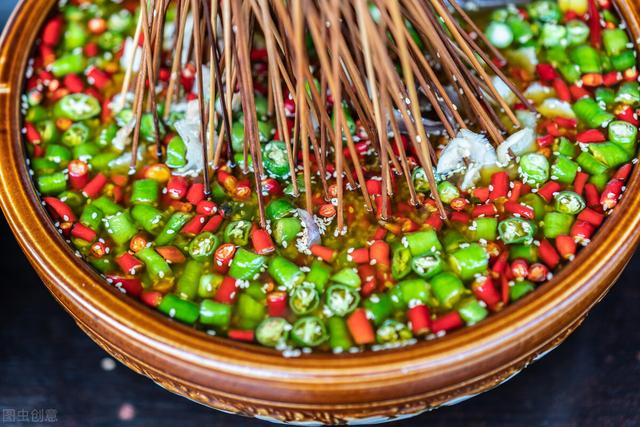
point(516, 213)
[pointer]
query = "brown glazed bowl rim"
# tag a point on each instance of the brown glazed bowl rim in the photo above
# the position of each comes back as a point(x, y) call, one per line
point(517, 332)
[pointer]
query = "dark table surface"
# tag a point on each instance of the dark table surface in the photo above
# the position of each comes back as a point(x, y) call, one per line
point(49, 370)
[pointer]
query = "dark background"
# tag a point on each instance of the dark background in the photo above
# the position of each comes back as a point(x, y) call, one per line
point(46, 362)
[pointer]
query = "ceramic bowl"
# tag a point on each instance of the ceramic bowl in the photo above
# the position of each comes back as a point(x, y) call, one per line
point(317, 388)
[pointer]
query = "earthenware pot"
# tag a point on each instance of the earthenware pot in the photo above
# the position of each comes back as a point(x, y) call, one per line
point(320, 388)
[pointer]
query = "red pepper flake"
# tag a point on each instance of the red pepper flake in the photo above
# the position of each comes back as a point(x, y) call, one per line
point(434, 221)
point(566, 246)
point(32, 134)
point(194, 226)
point(379, 253)
point(360, 327)
point(592, 217)
point(73, 83)
point(460, 217)
point(227, 293)
point(612, 78)
point(579, 182)
point(459, 203)
point(538, 272)
point(548, 190)
point(591, 194)
point(562, 90)
point(501, 263)
point(547, 72)
point(519, 269)
point(623, 172)
point(358, 255)
point(419, 319)
point(95, 186)
point(277, 303)
point(327, 210)
point(582, 231)
point(222, 257)
point(595, 34)
point(548, 254)
point(82, 232)
point(499, 185)
point(52, 31)
point(78, 174)
point(611, 194)
point(447, 322)
point(591, 135)
point(128, 263)
point(262, 242)
point(133, 286)
point(246, 335)
point(213, 224)
point(519, 209)
point(59, 209)
point(177, 187)
point(481, 193)
point(484, 210)
point(628, 115)
point(566, 123)
point(151, 298)
point(195, 193)
point(171, 254)
point(578, 92)
point(206, 207)
point(545, 141)
point(516, 191)
point(484, 289)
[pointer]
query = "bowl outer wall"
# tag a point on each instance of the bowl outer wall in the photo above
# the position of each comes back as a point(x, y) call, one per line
point(256, 381)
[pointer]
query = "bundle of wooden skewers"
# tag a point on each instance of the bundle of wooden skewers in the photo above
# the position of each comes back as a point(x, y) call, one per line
point(400, 66)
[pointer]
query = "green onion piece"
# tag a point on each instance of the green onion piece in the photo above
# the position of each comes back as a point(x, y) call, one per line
point(157, 267)
point(379, 307)
point(188, 281)
point(472, 311)
point(285, 273)
point(147, 217)
point(179, 309)
point(246, 265)
point(339, 337)
point(213, 313)
point(469, 261)
point(422, 242)
point(145, 191)
point(448, 289)
point(347, 276)
point(520, 289)
point(120, 227)
point(172, 228)
point(557, 224)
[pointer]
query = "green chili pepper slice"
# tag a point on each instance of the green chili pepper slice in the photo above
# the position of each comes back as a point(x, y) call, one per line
point(78, 107)
point(516, 230)
point(309, 331)
point(273, 332)
point(392, 331)
point(341, 299)
point(203, 246)
point(569, 202)
point(304, 299)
